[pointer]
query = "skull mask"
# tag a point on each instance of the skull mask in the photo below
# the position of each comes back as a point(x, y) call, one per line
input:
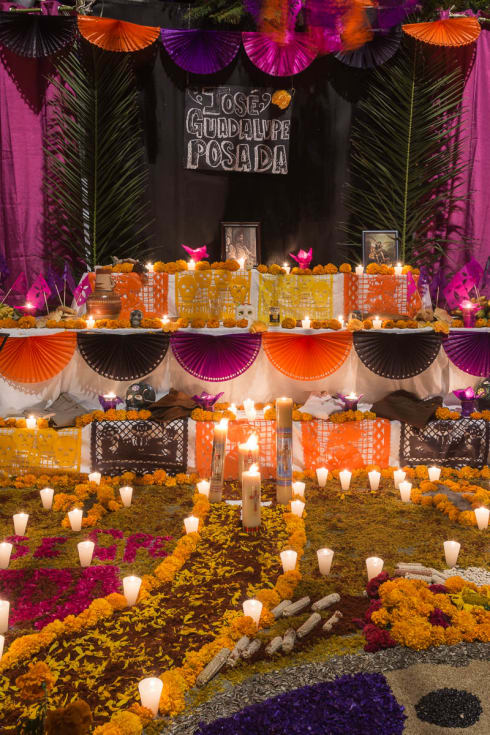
point(136, 318)
point(245, 311)
point(140, 395)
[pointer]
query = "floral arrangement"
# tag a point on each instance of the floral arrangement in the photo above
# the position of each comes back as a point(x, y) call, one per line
point(25, 322)
point(113, 414)
point(146, 323)
point(14, 423)
point(446, 414)
point(474, 494)
point(411, 613)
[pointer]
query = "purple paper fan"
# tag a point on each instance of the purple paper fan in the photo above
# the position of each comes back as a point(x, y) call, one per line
point(276, 59)
point(215, 358)
point(379, 50)
point(470, 352)
point(201, 52)
point(394, 12)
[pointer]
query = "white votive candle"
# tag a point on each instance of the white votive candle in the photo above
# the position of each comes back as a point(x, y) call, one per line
point(287, 268)
point(451, 552)
point(31, 422)
point(203, 487)
point(306, 322)
point(374, 478)
point(374, 566)
point(398, 476)
point(85, 552)
point(340, 318)
point(75, 518)
point(95, 477)
point(4, 615)
point(47, 497)
point(164, 320)
point(253, 608)
point(398, 269)
point(325, 557)
point(299, 488)
point(150, 267)
point(405, 489)
point(20, 523)
point(191, 265)
point(248, 406)
point(359, 270)
point(126, 494)
point(150, 692)
point(434, 474)
point(321, 476)
point(297, 507)
point(377, 322)
point(481, 515)
point(345, 477)
point(131, 587)
point(2, 642)
point(5, 551)
point(90, 322)
point(241, 263)
point(191, 524)
point(233, 409)
point(288, 560)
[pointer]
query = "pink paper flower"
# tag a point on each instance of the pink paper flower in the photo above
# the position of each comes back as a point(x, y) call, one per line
point(303, 258)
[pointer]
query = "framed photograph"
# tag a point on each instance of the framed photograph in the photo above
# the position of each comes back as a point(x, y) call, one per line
point(380, 247)
point(241, 240)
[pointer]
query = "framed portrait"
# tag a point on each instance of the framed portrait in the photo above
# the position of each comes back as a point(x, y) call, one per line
point(380, 247)
point(241, 240)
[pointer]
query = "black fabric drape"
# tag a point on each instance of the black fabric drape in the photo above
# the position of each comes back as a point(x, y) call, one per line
point(300, 210)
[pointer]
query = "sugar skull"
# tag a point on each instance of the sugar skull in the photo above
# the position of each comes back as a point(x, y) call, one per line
point(140, 395)
point(245, 311)
point(136, 317)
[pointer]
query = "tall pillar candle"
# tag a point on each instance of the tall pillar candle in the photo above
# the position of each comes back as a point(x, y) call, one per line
point(248, 454)
point(284, 448)
point(218, 461)
point(251, 499)
point(4, 615)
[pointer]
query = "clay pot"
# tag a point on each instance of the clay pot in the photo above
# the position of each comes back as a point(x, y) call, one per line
point(103, 303)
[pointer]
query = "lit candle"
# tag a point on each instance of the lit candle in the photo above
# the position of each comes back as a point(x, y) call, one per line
point(374, 566)
point(5, 551)
point(321, 476)
point(253, 608)
point(374, 478)
point(165, 320)
point(341, 320)
point(131, 587)
point(434, 474)
point(75, 518)
point(398, 476)
point(345, 477)
point(267, 407)
point(359, 270)
point(299, 488)
point(126, 494)
point(287, 268)
point(47, 497)
point(150, 690)
point(377, 322)
point(150, 267)
point(2, 641)
point(284, 449)
point(20, 523)
point(248, 454)
point(241, 263)
point(191, 524)
point(469, 310)
point(233, 409)
point(203, 487)
point(297, 507)
point(31, 422)
point(4, 615)
point(288, 560)
point(306, 322)
point(95, 477)
point(251, 486)
point(110, 399)
point(451, 551)
point(350, 401)
point(405, 489)
point(218, 461)
point(481, 515)
point(90, 322)
point(249, 408)
point(85, 552)
point(28, 306)
point(398, 269)
point(325, 557)
point(191, 265)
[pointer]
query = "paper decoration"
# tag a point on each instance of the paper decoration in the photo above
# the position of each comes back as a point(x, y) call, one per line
point(206, 400)
point(305, 356)
point(296, 296)
point(469, 351)
point(36, 359)
point(197, 254)
point(353, 444)
point(123, 356)
point(217, 358)
point(459, 287)
point(82, 291)
point(116, 35)
point(35, 36)
point(23, 451)
point(445, 32)
point(375, 52)
point(411, 286)
point(238, 433)
point(279, 60)
point(147, 292)
point(397, 355)
point(449, 443)
point(392, 12)
point(199, 51)
point(68, 278)
point(303, 258)
point(210, 294)
point(20, 284)
point(38, 293)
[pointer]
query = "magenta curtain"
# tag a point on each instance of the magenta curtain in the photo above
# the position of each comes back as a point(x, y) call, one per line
point(472, 220)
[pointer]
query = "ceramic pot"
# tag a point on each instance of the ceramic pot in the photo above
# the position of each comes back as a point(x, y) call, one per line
point(103, 303)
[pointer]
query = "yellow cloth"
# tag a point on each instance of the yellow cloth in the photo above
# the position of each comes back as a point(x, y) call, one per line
point(296, 296)
point(24, 450)
point(210, 294)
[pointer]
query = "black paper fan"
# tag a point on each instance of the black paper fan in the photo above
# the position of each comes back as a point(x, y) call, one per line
point(123, 356)
point(379, 50)
point(397, 355)
point(34, 35)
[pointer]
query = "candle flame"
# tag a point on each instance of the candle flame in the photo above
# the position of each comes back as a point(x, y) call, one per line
point(241, 263)
point(165, 319)
point(149, 267)
point(223, 424)
point(254, 468)
point(28, 305)
point(352, 396)
point(252, 442)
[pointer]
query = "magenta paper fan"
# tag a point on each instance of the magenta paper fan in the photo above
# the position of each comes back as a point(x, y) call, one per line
point(276, 59)
point(470, 352)
point(201, 52)
point(215, 358)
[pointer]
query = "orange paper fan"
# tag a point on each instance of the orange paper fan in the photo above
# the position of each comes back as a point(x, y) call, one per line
point(35, 359)
point(445, 32)
point(307, 356)
point(116, 35)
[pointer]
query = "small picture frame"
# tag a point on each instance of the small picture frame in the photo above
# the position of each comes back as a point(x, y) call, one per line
point(241, 240)
point(380, 247)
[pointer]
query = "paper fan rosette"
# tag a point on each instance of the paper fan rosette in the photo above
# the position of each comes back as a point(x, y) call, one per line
point(201, 52)
point(215, 358)
point(36, 359)
point(445, 31)
point(379, 50)
point(35, 36)
point(123, 356)
point(307, 356)
point(116, 35)
point(397, 355)
point(279, 60)
point(469, 351)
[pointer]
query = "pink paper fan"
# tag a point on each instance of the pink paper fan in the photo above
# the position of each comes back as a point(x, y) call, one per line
point(217, 358)
point(201, 52)
point(277, 60)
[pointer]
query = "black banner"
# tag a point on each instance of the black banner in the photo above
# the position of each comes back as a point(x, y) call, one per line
point(236, 129)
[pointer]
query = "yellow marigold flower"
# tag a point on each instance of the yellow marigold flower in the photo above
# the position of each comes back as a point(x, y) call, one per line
point(345, 268)
point(38, 681)
point(128, 723)
point(330, 268)
point(318, 270)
